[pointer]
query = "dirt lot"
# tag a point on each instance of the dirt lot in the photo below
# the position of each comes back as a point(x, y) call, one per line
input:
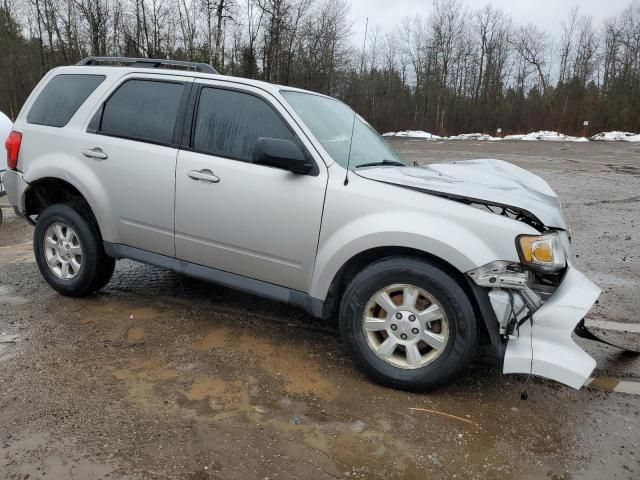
point(161, 376)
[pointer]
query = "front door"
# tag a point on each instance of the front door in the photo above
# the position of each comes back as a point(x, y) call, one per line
point(236, 216)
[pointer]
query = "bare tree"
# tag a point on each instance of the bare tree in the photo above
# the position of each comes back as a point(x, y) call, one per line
point(533, 47)
point(461, 68)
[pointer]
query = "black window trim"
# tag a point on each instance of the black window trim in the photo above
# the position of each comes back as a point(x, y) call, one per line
point(180, 116)
point(104, 77)
point(188, 130)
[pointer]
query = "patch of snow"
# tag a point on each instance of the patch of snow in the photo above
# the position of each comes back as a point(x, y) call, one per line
point(616, 137)
point(5, 127)
point(413, 134)
point(546, 136)
point(474, 136)
point(543, 135)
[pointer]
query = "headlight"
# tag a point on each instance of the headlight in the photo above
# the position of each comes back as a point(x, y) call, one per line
point(542, 252)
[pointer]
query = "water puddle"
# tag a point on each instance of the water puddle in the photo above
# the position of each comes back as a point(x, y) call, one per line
point(206, 387)
point(614, 385)
point(9, 340)
point(8, 346)
point(135, 335)
point(141, 379)
point(9, 298)
point(40, 456)
point(109, 308)
point(300, 373)
point(144, 314)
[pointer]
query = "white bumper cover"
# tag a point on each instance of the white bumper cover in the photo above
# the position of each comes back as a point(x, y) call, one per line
point(544, 347)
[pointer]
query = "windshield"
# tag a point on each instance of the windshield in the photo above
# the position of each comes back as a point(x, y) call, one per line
point(332, 123)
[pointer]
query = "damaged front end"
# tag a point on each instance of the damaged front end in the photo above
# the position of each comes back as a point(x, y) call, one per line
point(537, 312)
point(538, 300)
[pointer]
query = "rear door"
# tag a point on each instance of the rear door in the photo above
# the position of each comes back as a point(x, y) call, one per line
point(131, 145)
point(257, 221)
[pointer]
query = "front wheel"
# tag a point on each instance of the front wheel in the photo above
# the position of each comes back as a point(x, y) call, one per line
point(408, 324)
point(69, 251)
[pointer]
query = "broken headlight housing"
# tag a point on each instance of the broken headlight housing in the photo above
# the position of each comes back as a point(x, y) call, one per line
point(542, 252)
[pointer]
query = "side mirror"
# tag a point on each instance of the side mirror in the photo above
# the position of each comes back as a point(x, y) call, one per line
point(284, 154)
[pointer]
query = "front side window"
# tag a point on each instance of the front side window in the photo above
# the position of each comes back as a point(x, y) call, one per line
point(144, 110)
point(228, 123)
point(346, 136)
point(61, 98)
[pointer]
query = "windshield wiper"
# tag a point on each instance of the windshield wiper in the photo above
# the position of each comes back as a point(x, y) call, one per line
point(382, 163)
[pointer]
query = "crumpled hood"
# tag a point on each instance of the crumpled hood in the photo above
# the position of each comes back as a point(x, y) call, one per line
point(488, 181)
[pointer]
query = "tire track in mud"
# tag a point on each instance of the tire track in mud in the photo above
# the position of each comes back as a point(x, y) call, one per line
point(618, 201)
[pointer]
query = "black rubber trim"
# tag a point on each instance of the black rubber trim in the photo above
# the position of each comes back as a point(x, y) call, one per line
point(312, 306)
point(481, 296)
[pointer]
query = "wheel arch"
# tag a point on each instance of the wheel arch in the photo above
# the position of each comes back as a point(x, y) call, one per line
point(48, 191)
point(487, 324)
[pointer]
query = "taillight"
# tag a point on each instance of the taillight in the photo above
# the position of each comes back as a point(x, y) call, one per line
point(12, 144)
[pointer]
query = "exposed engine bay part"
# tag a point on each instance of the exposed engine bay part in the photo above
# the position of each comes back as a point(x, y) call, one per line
point(508, 211)
point(510, 310)
point(538, 322)
point(503, 210)
point(511, 295)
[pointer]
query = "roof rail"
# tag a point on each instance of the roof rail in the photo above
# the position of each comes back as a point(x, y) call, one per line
point(148, 63)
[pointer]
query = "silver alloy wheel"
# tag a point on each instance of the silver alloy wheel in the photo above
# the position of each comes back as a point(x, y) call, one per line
point(405, 326)
point(62, 250)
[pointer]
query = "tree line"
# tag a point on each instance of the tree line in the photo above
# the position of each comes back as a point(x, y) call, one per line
point(455, 69)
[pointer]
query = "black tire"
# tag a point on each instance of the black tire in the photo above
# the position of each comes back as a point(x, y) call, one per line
point(96, 268)
point(460, 348)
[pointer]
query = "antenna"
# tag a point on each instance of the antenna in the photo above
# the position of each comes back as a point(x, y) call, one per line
point(353, 126)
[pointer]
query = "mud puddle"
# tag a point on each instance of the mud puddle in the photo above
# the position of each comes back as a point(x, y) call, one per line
point(242, 378)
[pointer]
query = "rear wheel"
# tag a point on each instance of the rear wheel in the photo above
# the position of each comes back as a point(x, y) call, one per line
point(408, 324)
point(69, 251)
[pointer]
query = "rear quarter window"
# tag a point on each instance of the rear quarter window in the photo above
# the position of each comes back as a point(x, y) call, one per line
point(61, 98)
point(143, 110)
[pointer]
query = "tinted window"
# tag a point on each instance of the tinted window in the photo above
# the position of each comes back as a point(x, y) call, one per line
point(143, 110)
point(229, 123)
point(61, 98)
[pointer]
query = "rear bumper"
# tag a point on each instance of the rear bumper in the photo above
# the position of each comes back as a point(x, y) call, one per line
point(544, 346)
point(15, 186)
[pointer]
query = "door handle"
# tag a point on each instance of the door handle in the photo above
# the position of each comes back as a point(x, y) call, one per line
point(204, 175)
point(95, 152)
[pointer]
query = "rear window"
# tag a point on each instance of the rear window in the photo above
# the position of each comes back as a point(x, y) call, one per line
point(144, 110)
point(61, 98)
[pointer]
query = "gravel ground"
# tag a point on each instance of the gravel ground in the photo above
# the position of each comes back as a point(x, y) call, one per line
point(160, 376)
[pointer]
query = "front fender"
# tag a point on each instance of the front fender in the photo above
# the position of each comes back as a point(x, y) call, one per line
point(464, 245)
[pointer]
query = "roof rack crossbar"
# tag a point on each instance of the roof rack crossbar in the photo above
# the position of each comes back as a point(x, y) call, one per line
point(148, 63)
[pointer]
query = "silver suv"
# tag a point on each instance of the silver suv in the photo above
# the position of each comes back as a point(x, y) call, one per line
point(290, 195)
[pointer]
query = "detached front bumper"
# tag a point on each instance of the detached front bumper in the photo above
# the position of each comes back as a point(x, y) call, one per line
point(544, 347)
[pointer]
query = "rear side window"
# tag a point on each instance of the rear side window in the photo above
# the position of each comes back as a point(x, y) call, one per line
point(61, 98)
point(144, 110)
point(229, 123)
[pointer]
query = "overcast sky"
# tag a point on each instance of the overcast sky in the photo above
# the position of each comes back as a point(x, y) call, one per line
point(547, 14)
